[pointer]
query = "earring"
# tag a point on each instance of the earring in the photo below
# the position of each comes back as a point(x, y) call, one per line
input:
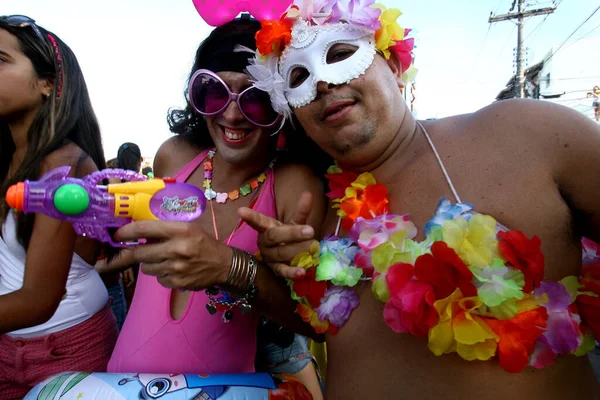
point(280, 142)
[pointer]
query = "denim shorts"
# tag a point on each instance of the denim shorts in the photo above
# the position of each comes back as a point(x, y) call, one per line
point(595, 359)
point(119, 305)
point(286, 360)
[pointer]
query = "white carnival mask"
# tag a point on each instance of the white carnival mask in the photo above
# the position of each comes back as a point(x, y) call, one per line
point(309, 48)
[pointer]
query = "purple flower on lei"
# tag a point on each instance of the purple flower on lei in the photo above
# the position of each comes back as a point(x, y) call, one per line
point(447, 211)
point(562, 335)
point(337, 305)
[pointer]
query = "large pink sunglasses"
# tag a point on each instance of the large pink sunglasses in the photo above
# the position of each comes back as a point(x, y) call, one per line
point(210, 95)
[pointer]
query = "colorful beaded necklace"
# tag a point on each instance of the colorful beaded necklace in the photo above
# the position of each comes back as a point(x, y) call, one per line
point(243, 190)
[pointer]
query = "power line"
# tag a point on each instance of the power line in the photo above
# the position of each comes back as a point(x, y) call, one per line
point(499, 4)
point(536, 28)
point(572, 33)
point(582, 37)
point(480, 52)
point(575, 78)
point(505, 44)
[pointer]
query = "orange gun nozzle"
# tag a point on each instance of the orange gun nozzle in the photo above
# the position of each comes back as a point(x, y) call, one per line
point(15, 196)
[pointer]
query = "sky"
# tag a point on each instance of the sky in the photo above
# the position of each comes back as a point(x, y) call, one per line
point(136, 55)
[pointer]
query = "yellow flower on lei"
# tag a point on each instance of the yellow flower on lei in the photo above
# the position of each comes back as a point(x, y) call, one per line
point(390, 31)
point(460, 330)
point(309, 258)
point(399, 249)
point(474, 241)
point(380, 288)
point(365, 179)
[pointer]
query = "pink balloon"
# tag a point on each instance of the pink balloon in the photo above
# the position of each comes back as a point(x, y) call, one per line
point(219, 12)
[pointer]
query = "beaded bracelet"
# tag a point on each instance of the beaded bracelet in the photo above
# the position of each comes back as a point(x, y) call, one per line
point(240, 281)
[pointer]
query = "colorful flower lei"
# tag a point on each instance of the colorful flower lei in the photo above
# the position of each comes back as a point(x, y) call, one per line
point(470, 286)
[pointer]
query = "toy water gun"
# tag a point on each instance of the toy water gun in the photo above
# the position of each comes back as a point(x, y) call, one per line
point(92, 207)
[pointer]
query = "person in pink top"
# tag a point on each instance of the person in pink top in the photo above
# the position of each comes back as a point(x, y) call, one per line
point(228, 142)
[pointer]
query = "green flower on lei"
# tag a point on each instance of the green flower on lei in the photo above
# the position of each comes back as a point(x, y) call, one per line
point(399, 249)
point(497, 284)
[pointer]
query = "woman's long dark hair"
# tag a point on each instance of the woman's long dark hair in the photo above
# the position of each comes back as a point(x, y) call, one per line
point(60, 120)
point(192, 127)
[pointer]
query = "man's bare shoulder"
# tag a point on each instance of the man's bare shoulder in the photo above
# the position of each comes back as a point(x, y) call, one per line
point(533, 121)
point(542, 127)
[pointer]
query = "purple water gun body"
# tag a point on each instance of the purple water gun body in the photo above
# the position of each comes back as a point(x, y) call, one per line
point(92, 207)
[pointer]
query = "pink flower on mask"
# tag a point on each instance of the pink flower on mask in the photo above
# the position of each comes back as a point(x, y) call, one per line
point(357, 12)
point(319, 13)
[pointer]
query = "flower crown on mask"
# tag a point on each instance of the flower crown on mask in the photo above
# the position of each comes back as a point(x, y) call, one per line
point(303, 16)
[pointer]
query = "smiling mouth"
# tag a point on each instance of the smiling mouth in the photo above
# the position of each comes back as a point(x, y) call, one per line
point(235, 134)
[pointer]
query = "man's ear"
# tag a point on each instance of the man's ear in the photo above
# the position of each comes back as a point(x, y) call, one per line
point(396, 67)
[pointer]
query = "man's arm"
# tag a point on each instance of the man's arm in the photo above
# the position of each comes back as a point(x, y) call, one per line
point(292, 182)
point(275, 302)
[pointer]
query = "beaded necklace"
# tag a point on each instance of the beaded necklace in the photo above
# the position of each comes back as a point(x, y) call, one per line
point(243, 190)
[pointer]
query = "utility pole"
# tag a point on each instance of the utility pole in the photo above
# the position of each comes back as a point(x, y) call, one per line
point(520, 15)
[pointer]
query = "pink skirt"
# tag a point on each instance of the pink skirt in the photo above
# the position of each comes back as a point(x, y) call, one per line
point(83, 347)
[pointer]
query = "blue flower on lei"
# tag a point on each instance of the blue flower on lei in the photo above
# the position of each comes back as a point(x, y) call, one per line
point(447, 211)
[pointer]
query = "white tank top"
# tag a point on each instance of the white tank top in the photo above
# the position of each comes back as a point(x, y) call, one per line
point(85, 291)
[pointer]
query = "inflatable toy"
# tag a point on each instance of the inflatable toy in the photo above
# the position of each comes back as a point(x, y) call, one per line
point(105, 386)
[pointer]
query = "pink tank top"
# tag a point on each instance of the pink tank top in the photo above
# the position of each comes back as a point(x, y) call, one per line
point(197, 343)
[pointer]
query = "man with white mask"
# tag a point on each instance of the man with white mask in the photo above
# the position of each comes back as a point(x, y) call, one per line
point(470, 301)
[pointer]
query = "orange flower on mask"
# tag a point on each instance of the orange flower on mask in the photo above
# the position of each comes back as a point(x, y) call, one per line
point(273, 36)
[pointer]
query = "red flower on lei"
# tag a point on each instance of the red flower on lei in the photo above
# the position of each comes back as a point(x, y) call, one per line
point(588, 305)
point(338, 182)
point(411, 305)
point(306, 286)
point(525, 255)
point(444, 271)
